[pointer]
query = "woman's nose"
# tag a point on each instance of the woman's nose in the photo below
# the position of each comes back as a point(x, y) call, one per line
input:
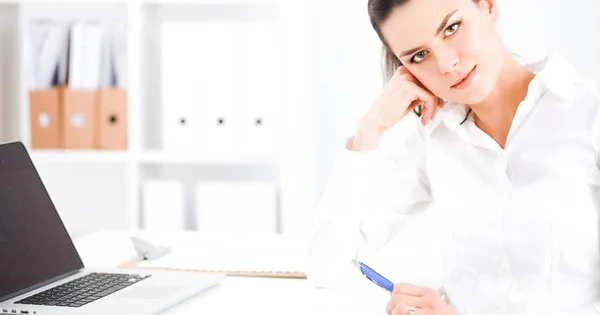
point(447, 61)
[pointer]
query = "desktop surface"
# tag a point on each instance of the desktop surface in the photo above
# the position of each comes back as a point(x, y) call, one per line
point(238, 295)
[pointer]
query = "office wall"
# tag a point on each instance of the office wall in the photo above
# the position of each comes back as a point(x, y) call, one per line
point(533, 28)
point(348, 74)
point(74, 190)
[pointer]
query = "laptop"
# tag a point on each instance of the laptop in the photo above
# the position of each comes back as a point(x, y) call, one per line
point(41, 271)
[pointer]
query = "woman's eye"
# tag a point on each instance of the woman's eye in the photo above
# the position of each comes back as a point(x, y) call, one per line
point(451, 29)
point(418, 57)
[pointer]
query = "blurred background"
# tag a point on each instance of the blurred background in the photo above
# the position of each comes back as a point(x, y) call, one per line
point(222, 116)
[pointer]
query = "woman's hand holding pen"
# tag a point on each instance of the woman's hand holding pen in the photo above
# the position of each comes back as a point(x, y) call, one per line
point(401, 95)
point(425, 301)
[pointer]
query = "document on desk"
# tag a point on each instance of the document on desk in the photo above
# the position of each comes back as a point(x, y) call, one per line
point(248, 257)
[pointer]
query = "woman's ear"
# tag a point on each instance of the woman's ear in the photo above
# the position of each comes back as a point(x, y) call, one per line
point(491, 7)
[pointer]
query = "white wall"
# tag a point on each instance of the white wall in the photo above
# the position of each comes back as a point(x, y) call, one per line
point(74, 190)
point(533, 28)
point(348, 74)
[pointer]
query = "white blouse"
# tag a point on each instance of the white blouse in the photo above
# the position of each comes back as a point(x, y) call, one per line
point(519, 226)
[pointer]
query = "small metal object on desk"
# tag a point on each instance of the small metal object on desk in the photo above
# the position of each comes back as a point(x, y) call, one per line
point(147, 251)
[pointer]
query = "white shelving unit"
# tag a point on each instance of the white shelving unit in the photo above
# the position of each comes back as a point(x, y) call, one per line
point(98, 189)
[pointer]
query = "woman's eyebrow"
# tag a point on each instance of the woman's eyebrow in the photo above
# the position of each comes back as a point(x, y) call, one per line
point(439, 30)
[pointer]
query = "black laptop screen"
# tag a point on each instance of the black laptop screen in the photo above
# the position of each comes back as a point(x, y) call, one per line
point(34, 245)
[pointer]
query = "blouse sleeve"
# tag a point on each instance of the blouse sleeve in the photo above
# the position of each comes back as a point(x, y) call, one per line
point(367, 199)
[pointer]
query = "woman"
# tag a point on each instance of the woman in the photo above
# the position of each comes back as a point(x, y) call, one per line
point(509, 161)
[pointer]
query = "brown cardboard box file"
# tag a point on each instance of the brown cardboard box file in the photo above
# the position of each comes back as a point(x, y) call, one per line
point(79, 109)
point(111, 119)
point(45, 118)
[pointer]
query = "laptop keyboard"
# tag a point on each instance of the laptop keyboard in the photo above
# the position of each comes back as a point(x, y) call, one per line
point(84, 290)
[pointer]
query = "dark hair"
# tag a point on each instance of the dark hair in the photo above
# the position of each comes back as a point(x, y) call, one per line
point(379, 11)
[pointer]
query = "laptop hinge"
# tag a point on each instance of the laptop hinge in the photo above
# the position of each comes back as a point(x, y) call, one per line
point(37, 286)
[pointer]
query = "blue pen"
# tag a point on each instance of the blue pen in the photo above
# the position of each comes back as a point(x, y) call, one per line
point(374, 276)
point(387, 284)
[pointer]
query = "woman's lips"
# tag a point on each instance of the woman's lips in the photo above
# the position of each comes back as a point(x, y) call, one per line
point(466, 81)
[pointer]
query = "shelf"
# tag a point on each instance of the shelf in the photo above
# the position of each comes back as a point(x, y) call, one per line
point(76, 177)
point(204, 2)
point(147, 157)
point(68, 1)
point(187, 158)
point(167, 2)
point(78, 156)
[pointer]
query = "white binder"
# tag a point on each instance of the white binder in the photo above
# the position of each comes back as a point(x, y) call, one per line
point(179, 82)
point(45, 51)
point(216, 207)
point(257, 208)
point(217, 71)
point(163, 205)
point(260, 89)
point(199, 80)
point(85, 55)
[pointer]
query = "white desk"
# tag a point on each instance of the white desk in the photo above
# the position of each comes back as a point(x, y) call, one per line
point(238, 295)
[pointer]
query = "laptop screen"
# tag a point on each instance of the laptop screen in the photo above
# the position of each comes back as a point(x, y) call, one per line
point(34, 245)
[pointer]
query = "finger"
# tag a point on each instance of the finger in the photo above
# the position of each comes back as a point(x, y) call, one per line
point(403, 310)
point(434, 109)
point(409, 289)
point(429, 102)
point(407, 300)
point(403, 73)
point(407, 76)
point(400, 74)
point(424, 115)
point(401, 70)
point(416, 96)
point(414, 105)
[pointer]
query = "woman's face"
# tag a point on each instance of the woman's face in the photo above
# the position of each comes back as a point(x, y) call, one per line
point(443, 41)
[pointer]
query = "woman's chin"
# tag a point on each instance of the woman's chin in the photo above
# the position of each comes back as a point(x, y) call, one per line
point(475, 96)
